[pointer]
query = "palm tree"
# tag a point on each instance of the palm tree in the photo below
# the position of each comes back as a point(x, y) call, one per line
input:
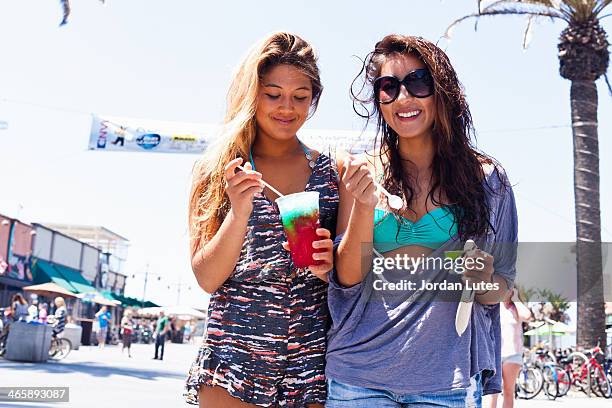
point(66, 10)
point(583, 58)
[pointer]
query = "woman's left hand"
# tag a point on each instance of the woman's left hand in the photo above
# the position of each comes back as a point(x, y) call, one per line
point(478, 267)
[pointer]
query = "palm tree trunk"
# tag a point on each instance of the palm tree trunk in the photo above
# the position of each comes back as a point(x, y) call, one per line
point(591, 313)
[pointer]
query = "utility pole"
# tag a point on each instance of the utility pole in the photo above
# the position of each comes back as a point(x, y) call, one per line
point(144, 292)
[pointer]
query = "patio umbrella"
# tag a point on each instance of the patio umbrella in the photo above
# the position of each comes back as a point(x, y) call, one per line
point(49, 289)
point(181, 312)
point(149, 311)
point(554, 329)
point(98, 298)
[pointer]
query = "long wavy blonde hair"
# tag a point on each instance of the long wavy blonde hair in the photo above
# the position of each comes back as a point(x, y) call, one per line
point(208, 203)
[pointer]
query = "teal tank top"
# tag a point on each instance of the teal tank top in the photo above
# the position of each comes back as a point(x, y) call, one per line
point(432, 230)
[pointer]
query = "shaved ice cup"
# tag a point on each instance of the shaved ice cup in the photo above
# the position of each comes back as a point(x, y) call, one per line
point(300, 216)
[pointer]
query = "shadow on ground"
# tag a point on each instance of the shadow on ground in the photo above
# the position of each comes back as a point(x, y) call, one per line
point(92, 368)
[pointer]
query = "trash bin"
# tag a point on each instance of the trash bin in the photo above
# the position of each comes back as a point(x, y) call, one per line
point(86, 326)
point(28, 342)
point(73, 332)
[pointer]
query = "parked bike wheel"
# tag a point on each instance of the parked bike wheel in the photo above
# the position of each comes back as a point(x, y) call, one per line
point(564, 380)
point(600, 383)
point(579, 372)
point(550, 382)
point(3, 345)
point(60, 348)
point(529, 382)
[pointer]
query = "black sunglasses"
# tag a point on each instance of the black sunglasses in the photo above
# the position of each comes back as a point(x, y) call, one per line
point(418, 83)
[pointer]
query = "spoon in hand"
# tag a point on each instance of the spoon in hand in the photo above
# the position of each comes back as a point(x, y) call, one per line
point(278, 193)
point(394, 201)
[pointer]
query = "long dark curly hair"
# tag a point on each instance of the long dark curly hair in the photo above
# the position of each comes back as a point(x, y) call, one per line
point(457, 167)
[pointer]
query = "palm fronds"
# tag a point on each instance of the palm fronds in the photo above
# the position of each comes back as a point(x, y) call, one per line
point(500, 11)
point(568, 10)
point(66, 10)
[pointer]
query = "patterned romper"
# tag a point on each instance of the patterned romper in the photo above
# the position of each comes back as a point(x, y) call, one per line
point(265, 341)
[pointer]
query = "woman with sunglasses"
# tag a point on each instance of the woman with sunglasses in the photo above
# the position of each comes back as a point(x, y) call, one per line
point(401, 348)
point(265, 339)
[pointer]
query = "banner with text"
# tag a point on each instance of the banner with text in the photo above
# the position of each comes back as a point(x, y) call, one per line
point(136, 135)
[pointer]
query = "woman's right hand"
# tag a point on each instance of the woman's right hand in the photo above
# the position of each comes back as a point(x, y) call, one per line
point(241, 187)
point(359, 181)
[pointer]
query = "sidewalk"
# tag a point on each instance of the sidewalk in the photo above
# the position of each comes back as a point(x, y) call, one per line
point(106, 378)
point(99, 376)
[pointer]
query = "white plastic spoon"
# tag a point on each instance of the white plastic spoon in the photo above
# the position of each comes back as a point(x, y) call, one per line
point(394, 201)
point(265, 184)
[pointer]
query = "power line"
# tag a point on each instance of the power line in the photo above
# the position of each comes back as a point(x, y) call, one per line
point(44, 106)
point(81, 112)
point(556, 214)
point(526, 129)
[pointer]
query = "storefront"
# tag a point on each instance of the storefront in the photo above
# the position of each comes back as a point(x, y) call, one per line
point(15, 257)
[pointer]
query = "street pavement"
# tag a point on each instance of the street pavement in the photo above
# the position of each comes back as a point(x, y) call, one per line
point(106, 378)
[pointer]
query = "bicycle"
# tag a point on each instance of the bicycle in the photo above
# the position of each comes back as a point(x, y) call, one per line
point(600, 383)
point(554, 377)
point(60, 347)
point(5, 324)
point(588, 375)
point(608, 369)
point(3, 338)
point(530, 381)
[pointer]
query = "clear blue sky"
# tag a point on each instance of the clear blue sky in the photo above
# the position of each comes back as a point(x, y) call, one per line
point(172, 61)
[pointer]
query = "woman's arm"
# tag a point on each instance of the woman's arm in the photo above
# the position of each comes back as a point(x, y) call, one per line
point(356, 220)
point(522, 311)
point(502, 261)
point(215, 260)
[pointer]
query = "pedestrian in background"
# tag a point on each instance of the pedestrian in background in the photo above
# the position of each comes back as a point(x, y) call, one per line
point(33, 310)
point(161, 331)
point(127, 328)
point(43, 312)
point(19, 307)
point(59, 318)
point(187, 332)
point(512, 314)
point(104, 318)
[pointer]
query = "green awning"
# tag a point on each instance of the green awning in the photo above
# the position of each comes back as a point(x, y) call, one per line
point(68, 278)
point(109, 295)
point(133, 302)
point(127, 301)
point(75, 278)
point(44, 271)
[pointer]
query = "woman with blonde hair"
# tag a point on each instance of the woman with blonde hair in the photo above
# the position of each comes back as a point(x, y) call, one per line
point(264, 344)
point(61, 313)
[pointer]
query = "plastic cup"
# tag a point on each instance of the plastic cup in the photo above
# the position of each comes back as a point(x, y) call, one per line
point(454, 255)
point(300, 216)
